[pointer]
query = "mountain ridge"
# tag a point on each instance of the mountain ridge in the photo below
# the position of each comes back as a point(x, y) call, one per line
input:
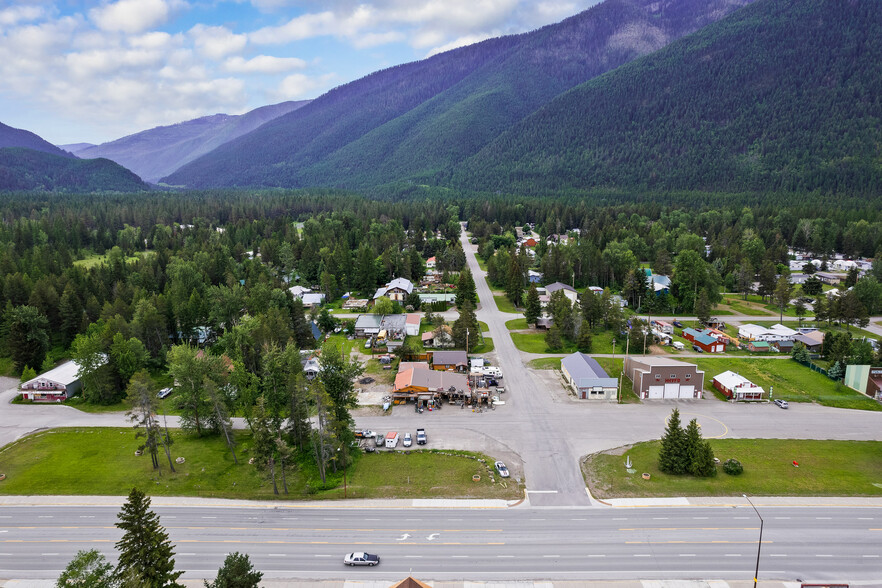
point(29, 169)
point(12, 137)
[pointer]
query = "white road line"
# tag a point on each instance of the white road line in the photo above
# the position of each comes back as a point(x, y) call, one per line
point(9, 554)
point(641, 555)
point(620, 519)
point(687, 555)
point(454, 520)
point(459, 556)
point(699, 518)
point(187, 554)
point(740, 518)
point(822, 555)
point(659, 518)
point(45, 517)
point(733, 555)
point(869, 556)
point(777, 555)
point(859, 518)
point(578, 519)
point(413, 519)
point(163, 516)
point(823, 518)
point(495, 520)
point(596, 555)
point(48, 554)
point(209, 517)
point(5, 517)
point(505, 556)
point(289, 519)
point(782, 518)
point(537, 519)
point(91, 516)
point(410, 556)
point(277, 555)
point(322, 555)
point(550, 556)
point(327, 519)
point(372, 519)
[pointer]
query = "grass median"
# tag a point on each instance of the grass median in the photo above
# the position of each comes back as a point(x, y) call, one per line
point(102, 461)
point(826, 468)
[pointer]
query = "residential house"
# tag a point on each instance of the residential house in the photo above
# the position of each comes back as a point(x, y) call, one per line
point(530, 242)
point(56, 385)
point(440, 338)
point(299, 291)
point(596, 290)
point(313, 299)
point(311, 368)
point(412, 324)
point(813, 340)
point(433, 297)
point(777, 332)
point(663, 327)
point(865, 379)
point(798, 278)
point(534, 277)
point(657, 378)
point(450, 361)
point(398, 289)
point(704, 340)
point(783, 346)
point(828, 278)
point(424, 384)
point(738, 388)
point(571, 293)
point(431, 262)
point(544, 323)
point(368, 325)
point(395, 326)
point(657, 283)
point(587, 379)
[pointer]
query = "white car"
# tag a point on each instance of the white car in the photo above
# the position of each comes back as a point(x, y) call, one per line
point(361, 558)
point(165, 392)
point(497, 401)
point(503, 471)
point(408, 440)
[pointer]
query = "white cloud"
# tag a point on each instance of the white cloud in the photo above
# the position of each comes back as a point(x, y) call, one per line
point(301, 86)
point(302, 27)
point(217, 42)
point(15, 14)
point(131, 16)
point(460, 42)
point(265, 64)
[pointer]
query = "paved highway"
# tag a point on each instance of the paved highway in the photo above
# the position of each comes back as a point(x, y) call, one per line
point(478, 544)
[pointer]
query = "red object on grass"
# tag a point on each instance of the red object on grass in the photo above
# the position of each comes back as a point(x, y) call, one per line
point(796, 464)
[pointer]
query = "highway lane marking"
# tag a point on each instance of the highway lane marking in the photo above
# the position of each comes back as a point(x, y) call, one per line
point(596, 555)
point(693, 542)
point(213, 541)
point(621, 519)
point(687, 555)
point(822, 555)
point(869, 556)
point(550, 556)
point(733, 555)
point(641, 555)
point(689, 529)
point(322, 555)
point(505, 556)
point(777, 555)
point(411, 556)
point(537, 519)
point(91, 517)
point(459, 556)
point(823, 518)
point(865, 518)
point(740, 518)
point(578, 519)
point(209, 517)
point(45, 517)
point(660, 518)
point(782, 518)
point(327, 519)
point(277, 555)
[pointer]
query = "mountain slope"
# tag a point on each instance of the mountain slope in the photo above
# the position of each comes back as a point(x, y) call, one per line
point(27, 169)
point(746, 103)
point(11, 137)
point(76, 147)
point(416, 120)
point(157, 152)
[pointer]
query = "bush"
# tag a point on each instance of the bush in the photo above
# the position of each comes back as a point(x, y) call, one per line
point(733, 467)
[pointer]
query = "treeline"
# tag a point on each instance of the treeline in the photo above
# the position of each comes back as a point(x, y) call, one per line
point(27, 169)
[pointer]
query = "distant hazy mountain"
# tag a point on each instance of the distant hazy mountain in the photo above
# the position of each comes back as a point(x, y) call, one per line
point(10, 137)
point(416, 121)
point(76, 147)
point(27, 169)
point(157, 152)
point(781, 95)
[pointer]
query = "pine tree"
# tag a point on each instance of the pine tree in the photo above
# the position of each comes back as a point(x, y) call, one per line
point(553, 338)
point(236, 572)
point(703, 308)
point(465, 289)
point(514, 288)
point(584, 342)
point(671, 455)
point(692, 445)
point(465, 329)
point(532, 306)
point(145, 550)
point(703, 464)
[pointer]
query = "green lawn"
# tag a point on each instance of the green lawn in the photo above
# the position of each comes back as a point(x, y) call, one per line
point(348, 346)
point(94, 260)
point(374, 368)
point(545, 363)
point(504, 304)
point(102, 461)
point(483, 326)
point(791, 381)
point(485, 347)
point(826, 468)
point(517, 324)
point(739, 306)
point(535, 343)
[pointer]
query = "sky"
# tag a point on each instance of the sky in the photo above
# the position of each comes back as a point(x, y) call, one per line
point(96, 70)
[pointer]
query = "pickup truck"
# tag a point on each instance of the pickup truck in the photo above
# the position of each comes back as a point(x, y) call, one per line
point(366, 434)
point(421, 437)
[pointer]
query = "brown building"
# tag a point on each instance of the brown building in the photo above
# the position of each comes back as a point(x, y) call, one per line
point(874, 383)
point(657, 378)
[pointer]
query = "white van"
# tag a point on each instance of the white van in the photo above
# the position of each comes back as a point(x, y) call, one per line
point(391, 440)
point(678, 346)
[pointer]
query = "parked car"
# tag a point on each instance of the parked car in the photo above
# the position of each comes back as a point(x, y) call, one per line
point(368, 343)
point(697, 348)
point(380, 440)
point(165, 392)
point(500, 390)
point(408, 440)
point(492, 382)
point(781, 403)
point(421, 437)
point(678, 324)
point(503, 471)
point(497, 401)
point(359, 558)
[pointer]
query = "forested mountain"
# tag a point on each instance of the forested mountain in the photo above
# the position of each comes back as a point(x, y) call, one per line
point(155, 153)
point(10, 137)
point(27, 169)
point(782, 95)
point(417, 120)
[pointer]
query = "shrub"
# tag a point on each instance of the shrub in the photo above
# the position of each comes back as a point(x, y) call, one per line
point(733, 467)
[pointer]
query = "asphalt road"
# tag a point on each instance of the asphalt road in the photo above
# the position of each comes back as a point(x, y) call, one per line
point(480, 544)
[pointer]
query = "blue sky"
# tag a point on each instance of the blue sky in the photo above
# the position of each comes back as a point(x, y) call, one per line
point(96, 70)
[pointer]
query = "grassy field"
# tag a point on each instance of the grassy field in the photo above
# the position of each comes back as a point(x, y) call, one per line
point(545, 363)
point(102, 461)
point(535, 343)
point(826, 468)
point(504, 304)
point(95, 260)
point(748, 307)
point(517, 324)
point(485, 347)
point(348, 346)
point(791, 381)
point(483, 326)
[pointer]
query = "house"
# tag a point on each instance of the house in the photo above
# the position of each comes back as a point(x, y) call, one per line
point(828, 278)
point(434, 297)
point(587, 379)
point(544, 322)
point(723, 336)
point(571, 293)
point(368, 325)
point(798, 278)
point(657, 378)
point(440, 338)
point(56, 385)
point(759, 346)
point(704, 340)
point(412, 324)
point(777, 332)
point(397, 290)
point(530, 242)
point(812, 340)
point(316, 332)
point(299, 291)
point(311, 368)
point(313, 299)
point(356, 304)
point(664, 327)
point(450, 360)
point(738, 387)
point(431, 262)
point(658, 283)
point(596, 290)
point(783, 346)
point(534, 277)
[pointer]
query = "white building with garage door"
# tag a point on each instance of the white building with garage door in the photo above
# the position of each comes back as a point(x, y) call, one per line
point(659, 378)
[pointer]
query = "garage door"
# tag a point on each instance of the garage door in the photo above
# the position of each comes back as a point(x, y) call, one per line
point(687, 391)
point(672, 390)
point(656, 391)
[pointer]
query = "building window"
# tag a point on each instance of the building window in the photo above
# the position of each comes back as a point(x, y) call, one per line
point(657, 377)
point(688, 376)
point(673, 376)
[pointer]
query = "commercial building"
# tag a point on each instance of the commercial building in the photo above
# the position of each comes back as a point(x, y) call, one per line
point(56, 385)
point(738, 388)
point(587, 379)
point(657, 378)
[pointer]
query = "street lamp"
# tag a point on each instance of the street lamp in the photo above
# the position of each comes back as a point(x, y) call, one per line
point(760, 544)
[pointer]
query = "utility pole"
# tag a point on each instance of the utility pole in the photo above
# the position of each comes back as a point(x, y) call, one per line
point(760, 544)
